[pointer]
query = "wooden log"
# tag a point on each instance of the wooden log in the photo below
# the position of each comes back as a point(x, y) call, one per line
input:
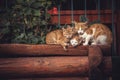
point(95, 59)
point(44, 66)
point(103, 72)
point(43, 49)
point(92, 15)
point(81, 12)
point(95, 56)
point(47, 67)
point(66, 19)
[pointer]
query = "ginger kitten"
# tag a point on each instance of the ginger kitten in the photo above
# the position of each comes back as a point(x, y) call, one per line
point(96, 34)
point(76, 40)
point(60, 36)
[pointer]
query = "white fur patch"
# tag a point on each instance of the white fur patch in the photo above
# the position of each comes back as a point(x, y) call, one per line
point(74, 42)
point(84, 35)
point(87, 38)
point(80, 31)
point(101, 39)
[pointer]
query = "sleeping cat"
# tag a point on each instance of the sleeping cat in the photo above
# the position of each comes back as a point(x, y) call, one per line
point(97, 34)
point(60, 36)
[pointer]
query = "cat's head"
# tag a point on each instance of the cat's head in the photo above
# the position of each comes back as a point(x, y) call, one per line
point(80, 27)
point(76, 40)
point(68, 32)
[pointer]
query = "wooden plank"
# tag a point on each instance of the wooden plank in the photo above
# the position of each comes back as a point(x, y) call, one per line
point(43, 50)
point(48, 67)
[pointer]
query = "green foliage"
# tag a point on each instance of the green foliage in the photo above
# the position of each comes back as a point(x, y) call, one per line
point(26, 22)
point(83, 18)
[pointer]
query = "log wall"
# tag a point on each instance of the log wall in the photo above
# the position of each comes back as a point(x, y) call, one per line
point(21, 61)
point(92, 15)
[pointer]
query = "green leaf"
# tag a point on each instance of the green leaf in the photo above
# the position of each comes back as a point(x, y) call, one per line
point(22, 35)
point(43, 22)
point(20, 1)
point(35, 40)
point(41, 0)
point(5, 31)
point(27, 11)
point(36, 12)
point(48, 16)
point(36, 5)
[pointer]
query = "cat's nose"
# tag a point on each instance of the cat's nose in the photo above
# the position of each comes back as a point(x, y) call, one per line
point(69, 36)
point(80, 32)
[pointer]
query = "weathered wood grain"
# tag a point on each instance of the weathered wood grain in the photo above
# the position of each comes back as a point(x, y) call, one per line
point(48, 67)
point(43, 50)
point(44, 67)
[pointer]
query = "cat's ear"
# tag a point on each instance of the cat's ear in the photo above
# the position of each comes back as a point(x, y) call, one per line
point(86, 22)
point(74, 22)
point(63, 28)
point(68, 26)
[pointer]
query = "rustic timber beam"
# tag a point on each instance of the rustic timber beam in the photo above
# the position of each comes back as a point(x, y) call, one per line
point(49, 66)
point(42, 49)
point(92, 15)
point(81, 12)
point(49, 50)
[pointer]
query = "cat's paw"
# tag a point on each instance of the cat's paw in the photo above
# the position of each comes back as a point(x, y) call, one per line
point(85, 44)
point(65, 49)
point(66, 44)
point(93, 43)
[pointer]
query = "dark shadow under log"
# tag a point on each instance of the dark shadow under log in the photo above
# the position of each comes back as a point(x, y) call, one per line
point(57, 78)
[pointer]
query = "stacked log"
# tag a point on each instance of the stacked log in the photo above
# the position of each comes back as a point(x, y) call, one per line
point(52, 62)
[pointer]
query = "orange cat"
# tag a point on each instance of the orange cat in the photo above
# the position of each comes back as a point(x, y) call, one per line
point(60, 36)
point(80, 27)
point(97, 34)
